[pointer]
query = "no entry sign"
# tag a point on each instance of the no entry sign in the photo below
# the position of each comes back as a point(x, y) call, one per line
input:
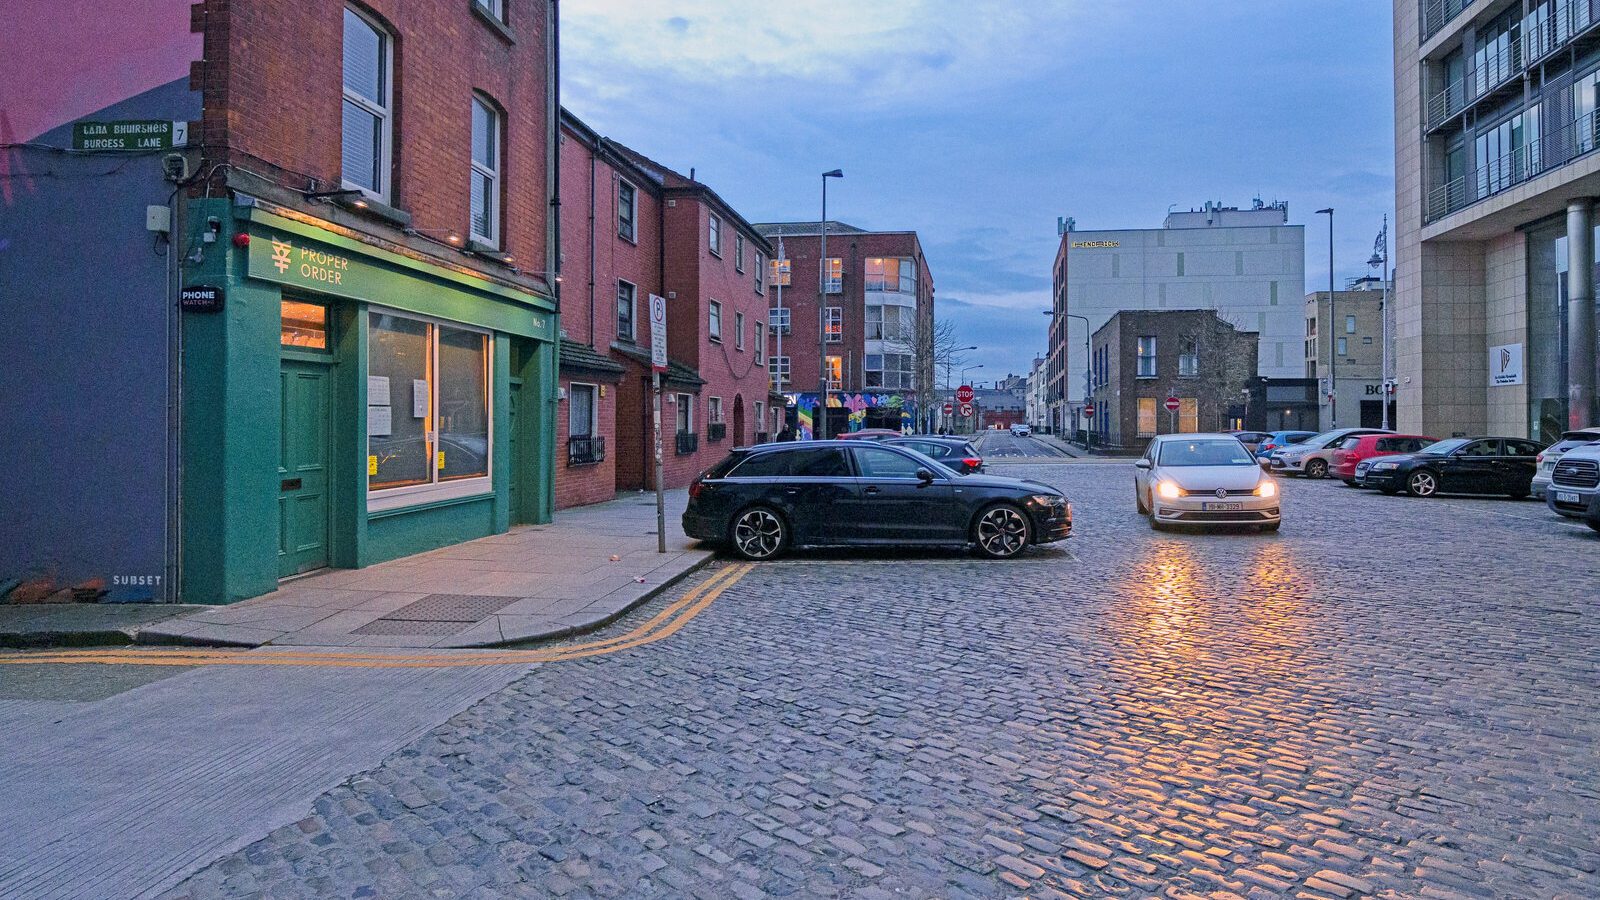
point(1088, 410)
point(949, 408)
point(1172, 404)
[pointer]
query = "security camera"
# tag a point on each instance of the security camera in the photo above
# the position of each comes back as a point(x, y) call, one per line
point(175, 166)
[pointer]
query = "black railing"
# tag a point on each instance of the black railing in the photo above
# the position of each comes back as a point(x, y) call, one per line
point(1550, 27)
point(1557, 148)
point(716, 431)
point(585, 449)
point(688, 442)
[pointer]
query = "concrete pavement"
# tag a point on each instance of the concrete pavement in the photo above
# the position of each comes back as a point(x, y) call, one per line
point(536, 582)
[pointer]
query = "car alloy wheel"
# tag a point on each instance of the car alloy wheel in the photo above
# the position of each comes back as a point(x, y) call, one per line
point(1002, 532)
point(1316, 469)
point(1422, 484)
point(758, 533)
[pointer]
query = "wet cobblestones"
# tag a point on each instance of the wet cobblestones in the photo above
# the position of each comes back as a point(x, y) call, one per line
point(1390, 698)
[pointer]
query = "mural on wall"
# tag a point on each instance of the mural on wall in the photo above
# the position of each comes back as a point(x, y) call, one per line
point(858, 405)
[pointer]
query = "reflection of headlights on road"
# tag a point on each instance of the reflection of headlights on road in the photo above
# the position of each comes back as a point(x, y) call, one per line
point(1168, 490)
point(1267, 489)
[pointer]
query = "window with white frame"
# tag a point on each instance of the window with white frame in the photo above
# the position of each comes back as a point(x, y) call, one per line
point(833, 275)
point(761, 416)
point(1188, 358)
point(761, 342)
point(889, 323)
point(835, 372)
point(495, 8)
point(714, 410)
point(892, 273)
point(889, 370)
point(1147, 356)
point(627, 305)
point(778, 368)
point(738, 331)
point(427, 410)
point(738, 252)
point(581, 409)
point(761, 272)
point(485, 172)
point(627, 196)
point(778, 319)
point(366, 128)
point(714, 235)
point(714, 320)
point(833, 323)
point(685, 413)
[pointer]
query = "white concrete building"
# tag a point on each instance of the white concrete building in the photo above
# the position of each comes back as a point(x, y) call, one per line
point(1246, 264)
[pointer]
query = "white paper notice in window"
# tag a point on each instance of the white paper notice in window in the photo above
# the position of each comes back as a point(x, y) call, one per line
point(419, 398)
point(377, 390)
point(380, 421)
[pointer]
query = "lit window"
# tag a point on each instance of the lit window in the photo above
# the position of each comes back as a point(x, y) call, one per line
point(304, 325)
point(627, 296)
point(714, 321)
point(894, 273)
point(835, 372)
point(714, 235)
point(365, 132)
point(833, 275)
point(626, 194)
point(1188, 415)
point(427, 408)
point(1147, 416)
point(781, 270)
point(1147, 356)
point(834, 324)
point(485, 173)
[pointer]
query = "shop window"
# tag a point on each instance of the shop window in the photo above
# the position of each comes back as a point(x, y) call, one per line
point(427, 410)
point(485, 224)
point(365, 137)
point(304, 325)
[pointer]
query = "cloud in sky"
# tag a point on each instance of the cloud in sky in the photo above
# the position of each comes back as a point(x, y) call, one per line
point(977, 124)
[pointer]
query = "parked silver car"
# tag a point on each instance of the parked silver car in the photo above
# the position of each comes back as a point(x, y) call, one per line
point(1574, 489)
point(1552, 454)
point(1313, 456)
point(1204, 479)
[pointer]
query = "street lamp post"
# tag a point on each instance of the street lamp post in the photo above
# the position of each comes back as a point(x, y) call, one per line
point(820, 427)
point(1333, 330)
point(1380, 256)
point(1088, 377)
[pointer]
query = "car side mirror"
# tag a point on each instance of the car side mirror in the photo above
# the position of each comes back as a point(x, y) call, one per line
point(1141, 464)
point(925, 476)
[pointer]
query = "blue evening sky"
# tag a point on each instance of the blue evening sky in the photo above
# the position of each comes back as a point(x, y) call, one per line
point(976, 124)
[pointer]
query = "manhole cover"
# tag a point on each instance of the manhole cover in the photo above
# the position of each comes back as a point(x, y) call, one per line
point(438, 614)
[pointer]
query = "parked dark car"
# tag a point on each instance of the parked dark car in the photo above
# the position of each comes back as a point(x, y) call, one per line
point(760, 501)
point(957, 453)
point(1485, 465)
point(869, 434)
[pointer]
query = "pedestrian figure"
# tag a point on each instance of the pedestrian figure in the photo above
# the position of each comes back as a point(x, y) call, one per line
point(787, 434)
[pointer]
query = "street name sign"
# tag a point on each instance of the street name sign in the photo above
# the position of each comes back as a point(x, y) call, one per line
point(146, 134)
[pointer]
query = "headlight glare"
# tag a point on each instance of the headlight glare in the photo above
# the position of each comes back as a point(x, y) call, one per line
point(1168, 490)
point(1267, 489)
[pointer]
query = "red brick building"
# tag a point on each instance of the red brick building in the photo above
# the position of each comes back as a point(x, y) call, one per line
point(632, 227)
point(879, 322)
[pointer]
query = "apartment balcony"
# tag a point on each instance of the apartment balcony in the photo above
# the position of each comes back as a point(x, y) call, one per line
point(1551, 27)
point(1438, 13)
point(1567, 144)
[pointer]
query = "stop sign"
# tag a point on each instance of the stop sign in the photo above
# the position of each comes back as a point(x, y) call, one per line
point(1172, 404)
point(949, 408)
point(1088, 409)
point(964, 393)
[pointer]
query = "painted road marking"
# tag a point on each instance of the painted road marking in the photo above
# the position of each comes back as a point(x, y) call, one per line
point(663, 624)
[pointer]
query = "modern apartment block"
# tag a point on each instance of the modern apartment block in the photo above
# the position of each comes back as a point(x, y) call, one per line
point(1143, 357)
point(878, 318)
point(1344, 352)
point(1246, 264)
point(1495, 177)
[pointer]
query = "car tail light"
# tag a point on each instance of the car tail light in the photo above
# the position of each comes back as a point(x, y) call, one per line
point(972, 462)
point(1540, 457)
point(695, 488)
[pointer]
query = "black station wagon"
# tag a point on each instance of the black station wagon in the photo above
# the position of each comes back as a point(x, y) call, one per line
point(762, 500)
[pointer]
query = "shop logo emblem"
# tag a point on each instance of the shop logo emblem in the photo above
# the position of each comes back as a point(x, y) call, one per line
point(1505, 359)
point(280, 255)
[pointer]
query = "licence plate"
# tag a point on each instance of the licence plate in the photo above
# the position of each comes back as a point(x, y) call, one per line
point(1221, 507)
point(1566, 497)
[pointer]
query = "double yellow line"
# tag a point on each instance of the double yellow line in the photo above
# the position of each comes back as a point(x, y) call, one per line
point(663, 624)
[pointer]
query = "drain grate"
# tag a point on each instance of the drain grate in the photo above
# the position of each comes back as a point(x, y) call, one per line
point(438, 614)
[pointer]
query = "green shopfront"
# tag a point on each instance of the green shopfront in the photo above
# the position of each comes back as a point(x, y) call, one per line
point(351, 403)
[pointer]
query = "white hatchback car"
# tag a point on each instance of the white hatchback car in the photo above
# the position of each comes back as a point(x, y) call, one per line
point(1204, 479)
point(1021, 430)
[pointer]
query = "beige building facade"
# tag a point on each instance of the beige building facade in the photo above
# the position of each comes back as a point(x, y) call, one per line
point(1344, 352)
point(1496, 175)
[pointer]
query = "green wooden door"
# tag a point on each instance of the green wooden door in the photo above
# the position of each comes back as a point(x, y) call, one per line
point(514, 426)
point(303, 501)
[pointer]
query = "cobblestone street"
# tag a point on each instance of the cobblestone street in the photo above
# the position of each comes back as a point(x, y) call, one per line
point(1392, 697)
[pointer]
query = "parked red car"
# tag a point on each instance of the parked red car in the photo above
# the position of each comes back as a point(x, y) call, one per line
point(1365, 446)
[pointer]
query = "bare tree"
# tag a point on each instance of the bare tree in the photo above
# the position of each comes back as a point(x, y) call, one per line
point(933, 351)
